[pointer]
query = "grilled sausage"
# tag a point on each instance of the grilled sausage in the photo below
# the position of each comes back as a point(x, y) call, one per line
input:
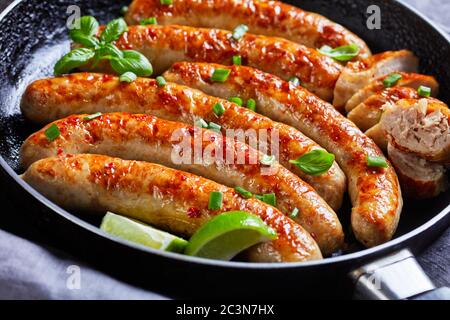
point(368, 113)
point(378, 136)
point(270, 18)
point(47, 99)
point(147, 138)
point(419, 178)
point(410, 80)
point(420, 127)
point(172, 200)
point(165, 45)
point(50, 99)
point(357, 75)
point(375, 193)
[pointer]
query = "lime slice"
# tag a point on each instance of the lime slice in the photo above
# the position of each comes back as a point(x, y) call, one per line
point(227, 234)
point(135, 231)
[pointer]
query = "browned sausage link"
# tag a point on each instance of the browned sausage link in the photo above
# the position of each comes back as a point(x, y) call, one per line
point(356, 75)
point(49, 99)
point(147, 138)
point(368, 114)
point(375, 193)
point(419, 178)
point(172, 200)
point(165, 45)
point(410, 80)
point(270, 18)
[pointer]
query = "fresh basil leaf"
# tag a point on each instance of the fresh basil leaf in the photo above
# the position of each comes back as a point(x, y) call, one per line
point(315, 162)
point(89, 42)
point(344, 53)
point(128, 77)
point(88, 26)
point(114, 30)
point(73, 59)
point(108, 52)
point(85, 34)
point(132, 61)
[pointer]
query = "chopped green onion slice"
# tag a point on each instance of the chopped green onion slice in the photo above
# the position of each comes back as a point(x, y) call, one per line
point(218, 109)
point(270, 199)
point(392, 80)
point(259, 197)
point(148, 21)
point(214, 127)
point(294, 213)
point(52, 132)
point(220, 75)
point(246, 194)
point(237, 60)
point(424, 91)
point(379, 162)
point(295, 81)
point(92, 116)
point(160, 81)
point(239, 31)
point(215, 200)
point(236, 100)
point(267, 160)
point(343, 53)
point(251, 104)
point(315, 162)
point(128, 77)
point(201, 124)
point(124, 10)
point(166, 2)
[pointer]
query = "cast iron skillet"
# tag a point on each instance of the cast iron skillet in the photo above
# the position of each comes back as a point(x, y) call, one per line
point(33, 36)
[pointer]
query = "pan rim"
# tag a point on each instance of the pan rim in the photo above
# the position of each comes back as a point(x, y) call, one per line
point(352, 257)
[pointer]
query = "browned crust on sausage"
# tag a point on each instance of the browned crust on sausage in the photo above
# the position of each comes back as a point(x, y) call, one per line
point(133, 183)
point(50, 99)
point(165, 45)
point(375, 193)
point(356, 75)
point(368, 113)
point(118, 134)
point(410, 80)
point(271, 18)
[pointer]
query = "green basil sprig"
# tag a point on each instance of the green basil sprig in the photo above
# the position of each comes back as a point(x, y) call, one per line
point(85, 34)
point(74, 59)
point(315, 162)
point(114, 30)
point(344, 53)
point(102, 48)
point(132, 61)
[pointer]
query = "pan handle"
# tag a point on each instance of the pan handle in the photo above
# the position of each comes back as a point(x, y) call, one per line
point(395, 277)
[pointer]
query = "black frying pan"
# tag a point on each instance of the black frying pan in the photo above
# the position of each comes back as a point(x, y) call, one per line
point(33, 36)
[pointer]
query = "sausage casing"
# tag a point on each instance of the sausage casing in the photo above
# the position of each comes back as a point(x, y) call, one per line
point(270, 18)
point(375, 193)
point(165, 45)
point(49, 99)
point(172, 200)
point(147, 138)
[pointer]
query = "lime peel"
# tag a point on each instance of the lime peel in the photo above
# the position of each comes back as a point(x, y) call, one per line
point(138, 232)
point(227, 234)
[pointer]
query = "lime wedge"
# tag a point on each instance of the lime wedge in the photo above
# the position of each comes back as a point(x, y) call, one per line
point(227, 234)
point(135, 231)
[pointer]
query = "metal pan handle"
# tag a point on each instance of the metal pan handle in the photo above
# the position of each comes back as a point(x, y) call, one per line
point(395, 277)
